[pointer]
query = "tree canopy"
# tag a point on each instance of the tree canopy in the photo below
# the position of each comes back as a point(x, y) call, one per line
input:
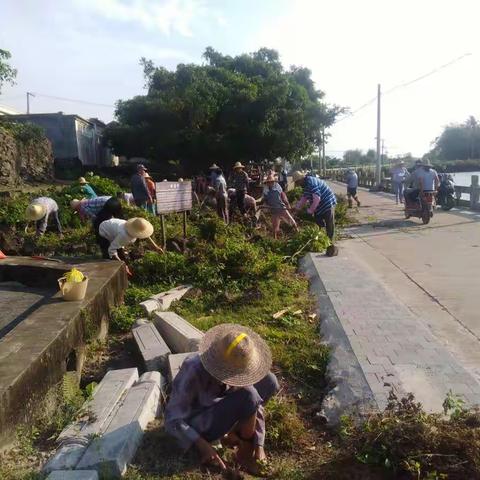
point(7, 73)
point(458, 142)
point(357, 157)
point(230, 109)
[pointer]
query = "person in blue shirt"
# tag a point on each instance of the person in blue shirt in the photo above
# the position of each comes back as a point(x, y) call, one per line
point(86, 189)
point(322, 202)
point(352, 185)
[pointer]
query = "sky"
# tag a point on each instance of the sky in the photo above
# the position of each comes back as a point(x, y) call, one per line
point(89, 50)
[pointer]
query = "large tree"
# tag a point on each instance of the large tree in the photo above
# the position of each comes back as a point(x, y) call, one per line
point(458, 141)
point(7, 73)
point(230, 109)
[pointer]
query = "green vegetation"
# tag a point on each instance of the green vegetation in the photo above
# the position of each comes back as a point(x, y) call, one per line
point(244, 108)
point(7, 73)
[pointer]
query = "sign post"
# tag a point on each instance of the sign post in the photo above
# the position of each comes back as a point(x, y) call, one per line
point(173, 197)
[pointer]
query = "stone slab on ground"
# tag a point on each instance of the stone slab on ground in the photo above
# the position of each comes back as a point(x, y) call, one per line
point(175, 362)
point(163, 300)
point(180, 336)
point(113, 451)
point(394, 348)
point(75, 439)
point(152, 346)
point(73, 475)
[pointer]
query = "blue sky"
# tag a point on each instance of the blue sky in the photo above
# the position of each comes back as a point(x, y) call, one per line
point(89, 50)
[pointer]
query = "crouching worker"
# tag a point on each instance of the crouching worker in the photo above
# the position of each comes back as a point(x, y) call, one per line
point(219, 394)
point(114, 234)
point(40, 211)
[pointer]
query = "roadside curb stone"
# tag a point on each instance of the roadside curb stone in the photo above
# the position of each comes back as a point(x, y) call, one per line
point(73, 475)
point(162, 301)
point(113, 451)
point(152, 346)
point(180, 335)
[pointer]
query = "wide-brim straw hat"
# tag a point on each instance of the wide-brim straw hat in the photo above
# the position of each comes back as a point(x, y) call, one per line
point(214, 167)
point(270, 178)
point(238, 165)
point(35, 212)
point(235, 355)
point(75, 203)
point(82, 181)
point(298, 175)
point(139, 228)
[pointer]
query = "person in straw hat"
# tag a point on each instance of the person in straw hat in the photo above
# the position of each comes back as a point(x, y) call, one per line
point(322, 202)
point(276, 201)
point(88, 209)
point(86, 189)
point(240, 183)
point(40, 210)
point(219, 394)
point(213, 174)
point(114, 234)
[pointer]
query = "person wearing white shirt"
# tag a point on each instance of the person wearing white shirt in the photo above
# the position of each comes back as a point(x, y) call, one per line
point(399, 174)
point(116, 233)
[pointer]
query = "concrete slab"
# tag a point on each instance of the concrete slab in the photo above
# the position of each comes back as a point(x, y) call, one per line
point(33, 356)
point(75, 439)
point(175, 362)
point(111, 453)
point(163, 300)
point(74, 475)
point(152, 347)
point(180, 336)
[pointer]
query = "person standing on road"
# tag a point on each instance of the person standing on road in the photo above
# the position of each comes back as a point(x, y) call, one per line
point(352, 185)
point(399, 174)
point(240, 183)
point(277, 202)
point(40, 211)
point(219, 394)
point(139, 188)
point(86, 188)
point(322, 204)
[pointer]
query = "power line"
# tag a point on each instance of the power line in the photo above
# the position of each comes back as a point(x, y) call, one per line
point(73, 100)
point(403, 85)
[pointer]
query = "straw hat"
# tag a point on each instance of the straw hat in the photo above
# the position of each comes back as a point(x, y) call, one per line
point(235, 355)
point(82, 181)
point(139, 228)
point(214, 167)
point(270, 178)
point(75, 203)
point(35, 211)
point(298, 175)
point(238, 165)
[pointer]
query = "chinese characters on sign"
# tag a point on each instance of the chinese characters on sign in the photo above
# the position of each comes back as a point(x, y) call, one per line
point(173, 197)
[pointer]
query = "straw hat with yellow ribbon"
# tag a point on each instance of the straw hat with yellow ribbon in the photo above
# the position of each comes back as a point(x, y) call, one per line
point(235, 355)
point(35, 211)
point(139, 228)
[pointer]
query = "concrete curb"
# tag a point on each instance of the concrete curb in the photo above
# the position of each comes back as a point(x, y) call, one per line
point(152, 346)
point(349, 391)
point(73, 475)
point(163, 300)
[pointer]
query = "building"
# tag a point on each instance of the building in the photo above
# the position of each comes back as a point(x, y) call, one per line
point(76, 142)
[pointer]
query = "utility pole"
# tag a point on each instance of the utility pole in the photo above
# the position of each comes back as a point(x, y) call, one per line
point(324, 162)
point(29, 94)
point(379, 153)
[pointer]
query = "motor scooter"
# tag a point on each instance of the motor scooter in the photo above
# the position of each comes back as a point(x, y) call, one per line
point(422, 207)
point(445, 195)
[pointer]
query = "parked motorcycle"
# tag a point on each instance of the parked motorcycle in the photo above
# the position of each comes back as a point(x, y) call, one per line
point(422, 207)
point(445, 195)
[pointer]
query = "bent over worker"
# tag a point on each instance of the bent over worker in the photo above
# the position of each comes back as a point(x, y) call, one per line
point(219, 394)
point(322, 202)
point(40, 211)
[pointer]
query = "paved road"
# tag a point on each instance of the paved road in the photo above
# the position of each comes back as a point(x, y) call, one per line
point(408, 298)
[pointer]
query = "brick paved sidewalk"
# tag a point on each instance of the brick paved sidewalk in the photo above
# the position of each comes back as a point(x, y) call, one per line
point(392, 347)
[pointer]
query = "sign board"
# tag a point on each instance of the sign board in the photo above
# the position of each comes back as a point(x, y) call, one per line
point(173, 197)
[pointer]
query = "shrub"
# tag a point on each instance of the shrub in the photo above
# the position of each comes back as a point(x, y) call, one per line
point(123, 317)
point(295, 194)
point(310, 238)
